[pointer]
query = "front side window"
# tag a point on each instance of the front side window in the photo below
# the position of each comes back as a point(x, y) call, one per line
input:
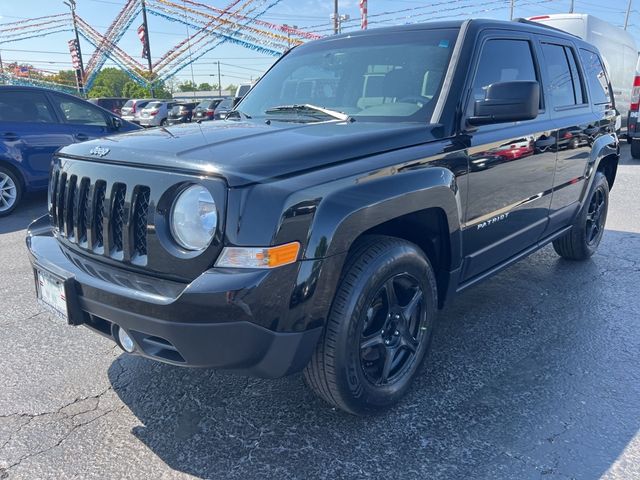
point(596, 77)
point(371, 78)
point(28, 107)
point(79, 112)
point(502, 60)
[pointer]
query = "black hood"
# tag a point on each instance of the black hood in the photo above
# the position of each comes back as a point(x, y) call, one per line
point(250, 152)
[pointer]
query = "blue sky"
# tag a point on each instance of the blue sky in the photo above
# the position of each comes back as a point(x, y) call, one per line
point(241, 65)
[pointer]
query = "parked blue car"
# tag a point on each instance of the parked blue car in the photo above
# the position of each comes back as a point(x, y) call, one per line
point(34, 123)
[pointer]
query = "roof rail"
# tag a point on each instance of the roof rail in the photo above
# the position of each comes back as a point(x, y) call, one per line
point(543, 25)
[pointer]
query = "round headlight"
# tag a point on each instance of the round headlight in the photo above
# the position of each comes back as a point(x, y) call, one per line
point(194, 218)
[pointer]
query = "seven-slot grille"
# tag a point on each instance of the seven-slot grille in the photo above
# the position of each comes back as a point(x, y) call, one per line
point(110, 220)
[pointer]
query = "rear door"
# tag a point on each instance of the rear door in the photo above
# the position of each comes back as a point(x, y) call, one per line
point(82, 121)
point(511, 165)
point(30, 133)
point(576, 124)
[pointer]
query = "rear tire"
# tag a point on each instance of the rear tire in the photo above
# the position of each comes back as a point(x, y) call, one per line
point(582, 241)
point(379, 327)
point(635, 148)
point(10, 191)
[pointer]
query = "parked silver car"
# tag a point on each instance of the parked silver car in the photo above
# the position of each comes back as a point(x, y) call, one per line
point(155, 113)
point(131, 110)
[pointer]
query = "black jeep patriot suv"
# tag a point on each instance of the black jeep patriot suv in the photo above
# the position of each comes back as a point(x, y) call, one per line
point(364, 180)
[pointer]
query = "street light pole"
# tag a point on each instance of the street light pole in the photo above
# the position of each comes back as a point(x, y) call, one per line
point(626, 17)
point(571, 7)
point(511, 15)
point(79, 74)
point(336, 19)
point(219, 80)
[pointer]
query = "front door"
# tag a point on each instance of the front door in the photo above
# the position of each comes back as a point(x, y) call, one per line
point(83, 121)
point(511, 165)
point(29, 134)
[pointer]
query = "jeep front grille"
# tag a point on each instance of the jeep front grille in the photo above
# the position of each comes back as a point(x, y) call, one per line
point(140, 211)
point(100, 218)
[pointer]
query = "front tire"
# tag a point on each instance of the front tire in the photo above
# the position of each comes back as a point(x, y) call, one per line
point(582, 241)
point(379, 327)
point(10, 191)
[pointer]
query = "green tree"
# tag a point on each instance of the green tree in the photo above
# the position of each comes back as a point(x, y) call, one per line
point(109, 82)
point(64, 77)
point(187, 86)
point(203, 87)
point(231, 88)
point(133, 90)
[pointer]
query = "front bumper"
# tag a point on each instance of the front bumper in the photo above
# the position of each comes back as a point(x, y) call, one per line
point(206, 323)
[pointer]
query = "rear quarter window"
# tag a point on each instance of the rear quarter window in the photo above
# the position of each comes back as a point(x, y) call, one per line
point(564, 84)
point(596, 77)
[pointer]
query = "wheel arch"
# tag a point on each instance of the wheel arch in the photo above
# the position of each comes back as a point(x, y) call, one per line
point(420, 207)
point(15, 170)
point(605, 153)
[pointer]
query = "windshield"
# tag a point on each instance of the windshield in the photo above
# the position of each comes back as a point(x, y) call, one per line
point(371, 78)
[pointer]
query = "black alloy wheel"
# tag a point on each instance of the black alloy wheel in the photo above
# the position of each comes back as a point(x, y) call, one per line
point(393, 328)
point(596, 216)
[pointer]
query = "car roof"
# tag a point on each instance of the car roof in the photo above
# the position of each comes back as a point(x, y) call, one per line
point(35, 89)
point(474, 25)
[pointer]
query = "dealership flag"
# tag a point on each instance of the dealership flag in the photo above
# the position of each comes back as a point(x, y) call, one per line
point(363, 14)
point(75, 58)
point(142, 35)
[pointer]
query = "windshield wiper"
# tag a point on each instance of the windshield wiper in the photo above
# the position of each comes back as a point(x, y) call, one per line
point(311, 108)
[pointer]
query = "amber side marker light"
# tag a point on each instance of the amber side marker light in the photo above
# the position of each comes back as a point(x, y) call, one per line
point(259, 257)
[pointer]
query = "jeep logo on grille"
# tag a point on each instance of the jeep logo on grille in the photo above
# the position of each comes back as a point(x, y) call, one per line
point(99, 151)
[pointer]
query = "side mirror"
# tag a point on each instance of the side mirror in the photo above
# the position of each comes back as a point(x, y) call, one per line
point(116, 123)
point(507, 102)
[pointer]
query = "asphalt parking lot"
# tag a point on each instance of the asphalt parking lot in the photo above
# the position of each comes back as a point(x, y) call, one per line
point(533, 374)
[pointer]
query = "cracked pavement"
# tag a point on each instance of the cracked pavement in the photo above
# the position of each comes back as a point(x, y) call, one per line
point(532, 374)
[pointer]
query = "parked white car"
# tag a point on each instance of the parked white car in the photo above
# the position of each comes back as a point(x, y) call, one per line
point(131, 110)
point(155, 113)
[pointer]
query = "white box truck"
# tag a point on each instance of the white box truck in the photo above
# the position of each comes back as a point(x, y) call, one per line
point(617, 47)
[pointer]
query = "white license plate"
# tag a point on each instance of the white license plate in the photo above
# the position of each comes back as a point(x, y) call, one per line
point(51, 294)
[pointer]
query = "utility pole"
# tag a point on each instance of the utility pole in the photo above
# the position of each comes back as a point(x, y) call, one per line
point(511, 15)
point(79, 73)
point(336, 19)
point(219, 80)
point(289, 33)
point(147, 46)
point(571, 7)
point(626, 17)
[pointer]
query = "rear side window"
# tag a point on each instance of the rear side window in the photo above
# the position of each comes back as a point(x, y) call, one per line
point(564, 83)
point(79, 111)
point(25, 107)
point(502, 60)
point(597, 79)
